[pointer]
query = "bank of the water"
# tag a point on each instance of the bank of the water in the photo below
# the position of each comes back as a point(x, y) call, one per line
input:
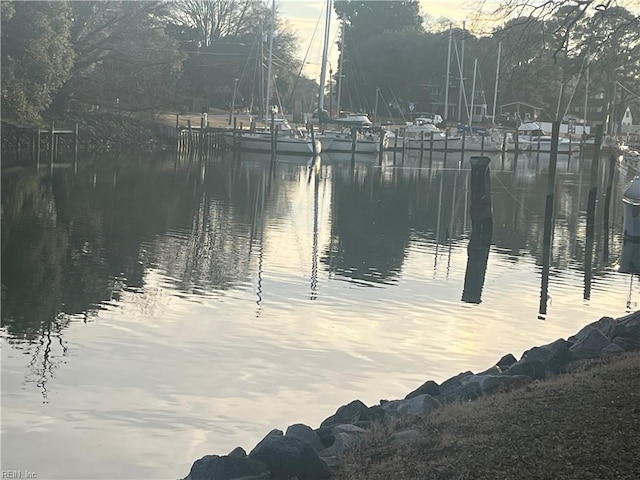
point(568, 409)
point(98, 132)
point(583, 425)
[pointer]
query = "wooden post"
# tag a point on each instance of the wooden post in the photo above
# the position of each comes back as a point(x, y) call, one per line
point(607, 206)
point(591, 211)
point(421, 147)
point(52, 145)
point(395, 145)
point(405, 146)
point(76, 131)
point(482, 145)
point(446, 147)
point(313, 142)
point(548, 218)
point(504, 148)
point(381, 147)
point(235, 133)
point(464, 140)
point(354, 143)
point(430, 150)
point(481, 215)
point(188, 134)
point(38, 148)
point(273, 136)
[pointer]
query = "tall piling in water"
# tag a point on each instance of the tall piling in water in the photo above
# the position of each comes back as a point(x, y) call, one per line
point(548, 218)
point(481, 214)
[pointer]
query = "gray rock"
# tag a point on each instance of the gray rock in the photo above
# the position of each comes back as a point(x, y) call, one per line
point(627, 326)
point(233, 466)
point(289, 456)
point(453, 383)
point(351, 413)
point(405, 437)
point(420, 405)
point(605, 326)
point(590, 345)
point(628, 344)
point(506, 361)
point(306, 434)
point(612, 349)
point(343, 443)
point(495, 370)
point(464, 393)
point(539, 362)
point(429, 387)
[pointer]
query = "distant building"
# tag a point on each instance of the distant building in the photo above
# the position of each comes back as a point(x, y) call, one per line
point(520, 110)
point(627, 122)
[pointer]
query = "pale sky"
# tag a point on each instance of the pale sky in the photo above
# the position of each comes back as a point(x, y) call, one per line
point(307, 16)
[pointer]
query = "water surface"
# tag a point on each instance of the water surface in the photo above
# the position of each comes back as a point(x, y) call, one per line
point(156, 309)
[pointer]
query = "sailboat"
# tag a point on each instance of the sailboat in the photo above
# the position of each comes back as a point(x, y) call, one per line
point(355, 126)
point(279, 137)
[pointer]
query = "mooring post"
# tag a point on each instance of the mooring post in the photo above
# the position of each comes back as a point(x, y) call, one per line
point(607, 206)
point(395, 145)
point(481, 214)
point(405, 146)
point(421, 147)
point(504, 148)
point(430, 150)
point(354, 141)
point(52, 145)
point(38, 148)
point(464, 140)
point(235, 133)
point(313, 141)
point(548, 217)
point(273, 135)
point(76, 132)
point(188, 134)
point(381, 147)
point(446, 147)
point(591, 211)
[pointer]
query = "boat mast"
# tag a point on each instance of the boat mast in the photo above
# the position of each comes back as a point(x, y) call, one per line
point(495, 90)
point(340, 72)
point(323, 68)
point(461, 68)
point(273, 27)
point(473, 92)
point(446, 86)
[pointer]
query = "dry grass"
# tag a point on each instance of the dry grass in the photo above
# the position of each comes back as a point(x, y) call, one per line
point(584, 425)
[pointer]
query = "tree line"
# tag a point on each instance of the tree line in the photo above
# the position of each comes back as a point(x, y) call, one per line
point(158, 55)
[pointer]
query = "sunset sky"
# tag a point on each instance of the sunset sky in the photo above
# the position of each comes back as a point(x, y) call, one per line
point(307, 16)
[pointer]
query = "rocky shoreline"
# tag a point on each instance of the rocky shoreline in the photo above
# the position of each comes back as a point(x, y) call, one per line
point(304, 453)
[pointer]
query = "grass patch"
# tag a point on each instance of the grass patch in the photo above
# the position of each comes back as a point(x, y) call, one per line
point(584, 425)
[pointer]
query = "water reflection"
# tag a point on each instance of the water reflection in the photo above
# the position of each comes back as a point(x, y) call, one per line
point(168, 261)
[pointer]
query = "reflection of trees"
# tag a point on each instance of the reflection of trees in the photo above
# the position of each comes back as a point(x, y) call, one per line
point(71, 243)
point(33, 251)
point(371, 228)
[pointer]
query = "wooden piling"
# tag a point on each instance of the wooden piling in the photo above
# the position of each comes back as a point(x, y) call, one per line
point(52, 145)
point(548, 217)
point(354, 142)
point(607, 205)
point(421, 147)
point(591, 211)
point(381, 147)
point(395, 145)
point(481, 215)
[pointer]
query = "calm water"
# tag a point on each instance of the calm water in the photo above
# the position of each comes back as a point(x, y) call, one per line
point(154, 310)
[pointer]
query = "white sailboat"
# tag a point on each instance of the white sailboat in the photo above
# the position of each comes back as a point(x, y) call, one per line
point(353, 125)
point(284, 139)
